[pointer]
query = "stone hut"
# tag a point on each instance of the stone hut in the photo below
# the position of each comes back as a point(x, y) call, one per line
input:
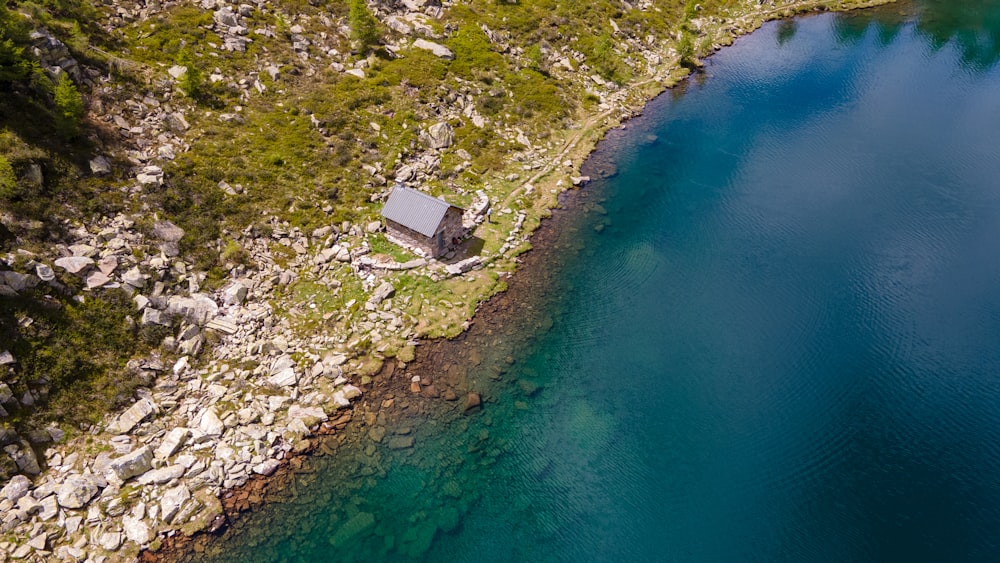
point(421, 221)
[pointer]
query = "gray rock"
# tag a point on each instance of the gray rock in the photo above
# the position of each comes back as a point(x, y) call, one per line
point(266, 468)
point(210, 425)
point(74, 264)
point(177, 71)
point(18, 281)
point(110, 541)
point(284, 378)
point(50, 508)
point(134, 277)
point(24, 457)
point(382, 292)
point(225, 16)
point(100, 166)
point(17, 487)
point(198, 308)
point(136, 530)
point(39, 542)
point(435, 48)
point(151, 316)
point(176, 123)
point(6, 358)
point(33, 175)
point(96, 279)
point(167, 231)
point(440, 136)
point(137, 413)
point(150, 176)
point(172, 501)
point(172, 442)
point(310, 416)
point(76, 491)
point(234, 293)
point(162, 475)
point(132, 464)
point(44, 272)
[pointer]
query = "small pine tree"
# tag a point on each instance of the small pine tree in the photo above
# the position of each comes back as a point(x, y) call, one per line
point(364, 26)
point(8, 181)
point(14, 65)
point(69, 106)
point(192, 81)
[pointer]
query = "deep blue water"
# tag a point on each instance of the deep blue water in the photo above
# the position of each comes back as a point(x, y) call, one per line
point(773, 335)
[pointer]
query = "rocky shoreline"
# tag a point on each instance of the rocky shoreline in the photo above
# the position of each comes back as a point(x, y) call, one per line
point(402, 391)
point(206, 441)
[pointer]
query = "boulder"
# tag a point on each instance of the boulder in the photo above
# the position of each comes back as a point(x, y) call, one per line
point(384, 291)
point(100, 166)
point(137, 413)
point(176, 123)
point(310, 416)
point(132, 464)
point(234, 293)
point(110, 541)
point(136, 530)
point(24, 457)
point(134, 278)
point(284, 378)
point(172, 501)
point(198, 308)
point(167, 231)
point(267, 467)
point(76, 491)
point(162, 475)
point(440, 136)
point(210, 424)
point(472, 401)
point(435, 48)
point(17, 487)
point(150, 176)
point(74, 264)
point(96, 279)
point(226, 16)
point(151, 316)
point(172, 442)
point(352, 528)
point(18, 281)
point(44, 272)
point(50, 508)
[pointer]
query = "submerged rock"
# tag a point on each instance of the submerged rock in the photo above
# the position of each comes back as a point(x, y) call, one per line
point(352, 528)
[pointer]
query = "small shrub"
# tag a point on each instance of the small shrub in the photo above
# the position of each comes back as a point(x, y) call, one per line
point(364, 26)
point(8, 181)
point(69, 107)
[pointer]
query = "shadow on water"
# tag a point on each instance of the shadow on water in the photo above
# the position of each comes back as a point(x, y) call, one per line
point(973, 27)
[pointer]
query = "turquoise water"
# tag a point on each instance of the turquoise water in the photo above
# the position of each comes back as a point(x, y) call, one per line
point(772, 335)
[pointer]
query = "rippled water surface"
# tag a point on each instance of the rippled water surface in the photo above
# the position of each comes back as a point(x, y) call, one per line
point(774, 335)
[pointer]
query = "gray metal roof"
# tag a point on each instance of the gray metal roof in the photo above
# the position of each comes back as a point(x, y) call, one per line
point(415, 209)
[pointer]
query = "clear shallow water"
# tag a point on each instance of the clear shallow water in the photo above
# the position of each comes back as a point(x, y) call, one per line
point(781, 342)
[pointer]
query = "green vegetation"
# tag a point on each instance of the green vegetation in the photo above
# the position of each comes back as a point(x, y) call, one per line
point(14, 66)
point(364, 26)
point(74, 353)
point(69, 107)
